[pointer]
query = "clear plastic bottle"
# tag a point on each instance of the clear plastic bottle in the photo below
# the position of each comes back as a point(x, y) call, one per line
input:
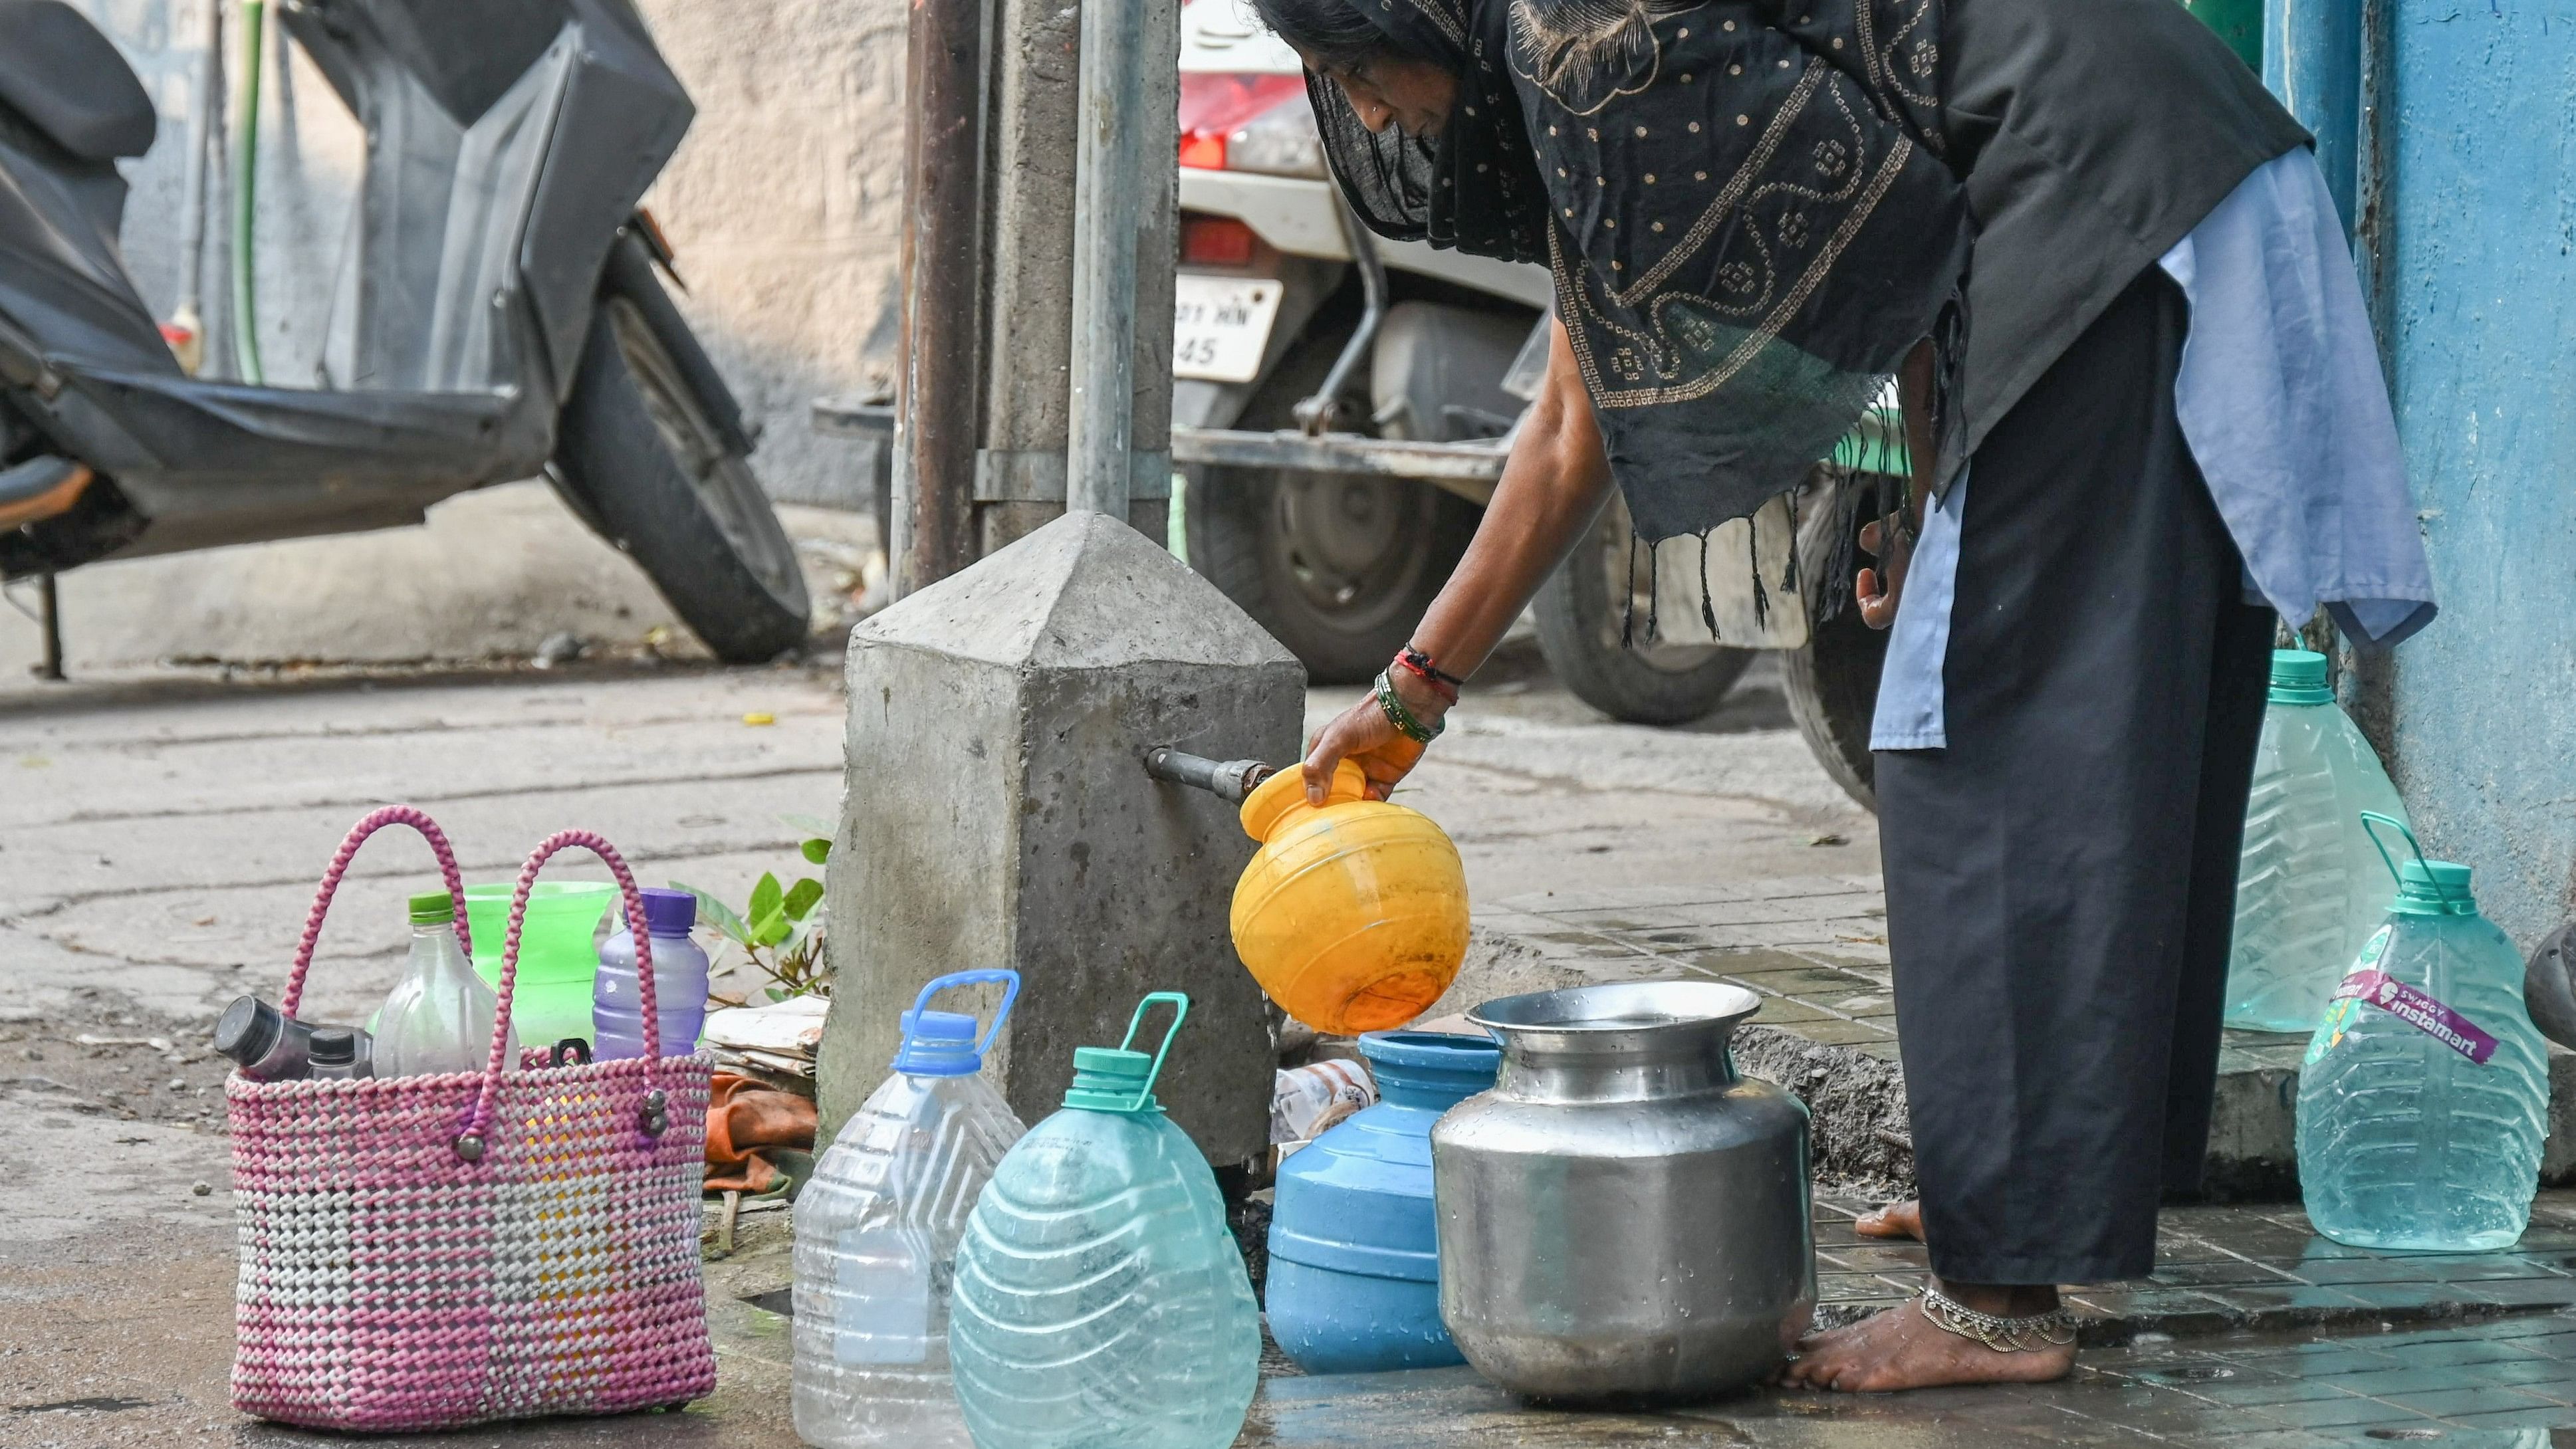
point(2425, 1092)
point(2310, 888)
point(877, 1232)
point(439, 1016)
point(679, 983)
point(1100, 1299)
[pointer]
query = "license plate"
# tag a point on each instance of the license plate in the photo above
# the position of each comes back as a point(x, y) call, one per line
point(1220, 325)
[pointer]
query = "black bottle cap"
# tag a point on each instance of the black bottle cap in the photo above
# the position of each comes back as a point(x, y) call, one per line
point(332, 1046)
point(248, 1029)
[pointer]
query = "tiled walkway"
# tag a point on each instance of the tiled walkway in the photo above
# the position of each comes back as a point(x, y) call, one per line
point(2254, 1334)
point(1814, 948)
point(2499, 1385)
point(2226, 1269)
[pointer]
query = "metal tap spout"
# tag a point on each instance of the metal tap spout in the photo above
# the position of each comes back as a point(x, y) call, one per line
point(1228, 780)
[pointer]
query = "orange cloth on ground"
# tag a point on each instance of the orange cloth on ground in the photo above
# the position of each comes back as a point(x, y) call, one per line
point(746, 1118)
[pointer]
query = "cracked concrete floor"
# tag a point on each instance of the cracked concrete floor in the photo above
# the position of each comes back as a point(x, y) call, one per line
point(161, 830)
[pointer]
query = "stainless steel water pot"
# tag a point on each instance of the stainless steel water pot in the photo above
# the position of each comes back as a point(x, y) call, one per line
point(1623, 1216)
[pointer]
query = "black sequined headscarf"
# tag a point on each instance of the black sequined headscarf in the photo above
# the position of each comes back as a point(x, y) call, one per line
point(1743, 202)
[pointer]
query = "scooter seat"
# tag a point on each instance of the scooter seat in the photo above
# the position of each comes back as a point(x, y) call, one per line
point(68, 80)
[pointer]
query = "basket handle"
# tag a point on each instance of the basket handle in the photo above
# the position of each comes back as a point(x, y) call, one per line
point(348, 852)
point(469, 1142)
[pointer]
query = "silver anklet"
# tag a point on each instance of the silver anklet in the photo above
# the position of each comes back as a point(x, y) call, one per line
point(2026, 1334)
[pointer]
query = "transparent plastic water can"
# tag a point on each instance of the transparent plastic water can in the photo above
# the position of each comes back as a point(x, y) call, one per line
point(439, 1016)
point(1100, 1299)
point(2424, 1095)
point(2309, 887)
point(877, 1233)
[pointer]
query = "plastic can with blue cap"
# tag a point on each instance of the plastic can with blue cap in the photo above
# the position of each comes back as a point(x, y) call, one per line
point(878, 1228)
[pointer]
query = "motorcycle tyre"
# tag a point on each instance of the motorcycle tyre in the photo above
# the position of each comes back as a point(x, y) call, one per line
point(1580, 625)
point(623, 479)
point(1235, 528)
point(1832, 688)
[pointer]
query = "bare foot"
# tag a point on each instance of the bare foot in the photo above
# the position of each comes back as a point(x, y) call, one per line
point(1896, 1220)
point(1901, 1349)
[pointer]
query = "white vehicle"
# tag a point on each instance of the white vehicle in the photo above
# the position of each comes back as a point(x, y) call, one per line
point(1341, 409)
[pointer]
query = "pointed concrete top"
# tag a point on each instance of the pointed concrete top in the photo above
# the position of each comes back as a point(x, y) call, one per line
point(1084, 592)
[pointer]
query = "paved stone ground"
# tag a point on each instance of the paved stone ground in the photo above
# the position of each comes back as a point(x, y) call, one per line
point(2244, 1268)
point(1814, 947)
point(2499, 1386)
point(159, 831)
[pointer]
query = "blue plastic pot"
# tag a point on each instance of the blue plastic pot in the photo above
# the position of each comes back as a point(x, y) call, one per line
point(1354, 1253)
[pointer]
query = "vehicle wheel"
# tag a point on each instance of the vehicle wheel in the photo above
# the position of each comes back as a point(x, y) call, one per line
point(648, 471)
point(1832, 683)
point(1337, 566)
point(1583, 611)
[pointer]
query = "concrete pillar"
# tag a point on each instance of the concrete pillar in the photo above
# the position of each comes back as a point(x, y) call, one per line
point(997, 813)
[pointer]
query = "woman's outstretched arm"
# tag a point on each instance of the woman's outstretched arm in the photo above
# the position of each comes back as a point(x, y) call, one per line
point(1551, 488)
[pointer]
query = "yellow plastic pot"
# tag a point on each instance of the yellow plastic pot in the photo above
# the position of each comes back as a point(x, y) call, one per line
point(1353, 917)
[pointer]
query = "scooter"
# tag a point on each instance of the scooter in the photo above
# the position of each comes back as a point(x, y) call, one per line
point(1342, 406)
point(508, 318)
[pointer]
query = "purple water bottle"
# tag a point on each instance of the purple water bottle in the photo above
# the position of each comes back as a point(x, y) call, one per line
point(679, 983)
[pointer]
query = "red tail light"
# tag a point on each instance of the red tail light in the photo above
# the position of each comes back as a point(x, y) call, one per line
point(1215, 241)
point(1214, 104)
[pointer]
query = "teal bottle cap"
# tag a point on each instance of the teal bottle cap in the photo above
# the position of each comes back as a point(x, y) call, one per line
point(2434, 888)
point(2299, 677)
point(1116, 1079)
point(2424, 887)
point(1106, 1079)
point(432, 907)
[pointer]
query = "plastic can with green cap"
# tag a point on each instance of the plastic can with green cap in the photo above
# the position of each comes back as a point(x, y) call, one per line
point(439, 1016)
point(1100, 1299)
point(2425, 1093)
point(2309, 887)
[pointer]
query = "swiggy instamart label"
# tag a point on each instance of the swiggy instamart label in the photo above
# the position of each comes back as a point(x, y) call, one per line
point(2340, 1007)
point(2413, 1007)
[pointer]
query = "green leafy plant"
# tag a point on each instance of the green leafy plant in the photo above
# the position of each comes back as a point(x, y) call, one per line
point(780, 929)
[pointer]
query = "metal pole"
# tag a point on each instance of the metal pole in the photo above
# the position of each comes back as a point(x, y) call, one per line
point(934, 485)
point(2312, 61)
point(204, 121)
point(1108, 204)
point(50, 615)
point(245, 184)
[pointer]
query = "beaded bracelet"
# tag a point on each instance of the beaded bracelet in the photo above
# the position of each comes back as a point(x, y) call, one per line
point(1405, 721)
point(1418, 664)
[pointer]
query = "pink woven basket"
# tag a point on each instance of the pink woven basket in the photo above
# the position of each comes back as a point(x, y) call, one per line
point(433, 1251)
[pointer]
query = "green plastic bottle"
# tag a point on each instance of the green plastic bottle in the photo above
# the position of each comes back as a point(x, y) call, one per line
point(557, 959)
point(1100, 1298)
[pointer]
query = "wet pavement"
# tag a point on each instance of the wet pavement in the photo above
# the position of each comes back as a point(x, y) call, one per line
point(2500, 1384)
point(157, 851)
point(1813, 947)
point(2244, 1268)
point(2254, 1334)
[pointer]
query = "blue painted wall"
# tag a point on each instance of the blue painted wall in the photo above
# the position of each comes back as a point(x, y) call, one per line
point(2483, 315)
point(2312, 61)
